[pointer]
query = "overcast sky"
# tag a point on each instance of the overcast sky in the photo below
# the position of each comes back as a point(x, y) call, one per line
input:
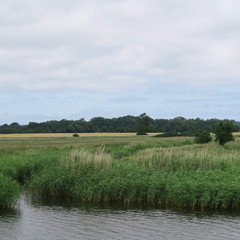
point(77, 59)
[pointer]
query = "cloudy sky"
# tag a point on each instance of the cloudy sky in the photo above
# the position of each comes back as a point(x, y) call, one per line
point(85, 58)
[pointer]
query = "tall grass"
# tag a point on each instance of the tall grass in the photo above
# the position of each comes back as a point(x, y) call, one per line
point(9, 191)
point(173, 172)
point(126, 150)
point(208, 157)
point(95, 158)
point(205, 176)
point(20, 165)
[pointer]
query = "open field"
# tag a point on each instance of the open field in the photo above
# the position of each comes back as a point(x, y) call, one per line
point(69, 135)
point(53, 135)
point(142, 169)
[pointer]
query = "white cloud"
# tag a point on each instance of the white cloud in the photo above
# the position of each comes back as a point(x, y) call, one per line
point(116, 45)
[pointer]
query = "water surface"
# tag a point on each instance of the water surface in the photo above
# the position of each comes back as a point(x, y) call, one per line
point(37, 220)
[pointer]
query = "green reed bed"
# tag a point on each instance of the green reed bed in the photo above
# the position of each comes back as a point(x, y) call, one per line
point(9, 191)
point(173, 172)
point(126, 149)
point(195, 176)
point(16, 167)
point(21, 165)
point(131, 184)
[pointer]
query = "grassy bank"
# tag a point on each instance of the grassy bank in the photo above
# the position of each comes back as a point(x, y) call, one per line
point(141, 169)
point(22, 158)
point(9, 191)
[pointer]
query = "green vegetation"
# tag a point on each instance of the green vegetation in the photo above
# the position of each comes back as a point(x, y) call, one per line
point(137, 169)
point(76, 135)
point(9, 191)
point(175, 134)
point(223, 132)
point(141, 124)
point(18, 162)
point(202, 137)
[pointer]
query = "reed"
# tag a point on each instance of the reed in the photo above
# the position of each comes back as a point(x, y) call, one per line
point(173, 172)
point(21, 165)
point(78, 157)
point(207, 156)
point(194, 176)
point(9, 191)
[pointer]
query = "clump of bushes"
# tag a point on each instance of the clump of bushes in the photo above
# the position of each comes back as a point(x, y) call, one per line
point(223, 132)
point(175, 134)
point(202, 137)
point(167, 134)
point(76, 135)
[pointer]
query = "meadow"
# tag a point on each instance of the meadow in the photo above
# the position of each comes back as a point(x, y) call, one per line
point(121, 168)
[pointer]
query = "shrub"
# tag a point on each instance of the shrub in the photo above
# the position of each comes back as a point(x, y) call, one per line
point(75, 135)
point(175, 134)
point(202, 137)
point(223, 132)
point(168, 134)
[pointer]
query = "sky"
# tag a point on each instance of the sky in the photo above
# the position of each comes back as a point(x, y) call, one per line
point(72, 59)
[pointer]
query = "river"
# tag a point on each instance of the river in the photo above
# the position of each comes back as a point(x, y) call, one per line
point(41, 220)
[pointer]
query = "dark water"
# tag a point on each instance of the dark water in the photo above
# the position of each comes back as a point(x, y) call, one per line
point(36, 220)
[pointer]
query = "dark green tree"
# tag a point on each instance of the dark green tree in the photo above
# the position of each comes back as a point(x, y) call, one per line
point(223, 132)
point(143, 124)
point(121, 124)
point(202, 137)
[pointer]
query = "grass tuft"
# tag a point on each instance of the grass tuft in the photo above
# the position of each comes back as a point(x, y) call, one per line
point(9, 191)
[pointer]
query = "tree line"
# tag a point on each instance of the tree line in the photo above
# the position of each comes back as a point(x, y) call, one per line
point(121, 124)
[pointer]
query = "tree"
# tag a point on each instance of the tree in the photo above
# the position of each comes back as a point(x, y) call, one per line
point(202, 137)
point(143, 124)
point(223, 132)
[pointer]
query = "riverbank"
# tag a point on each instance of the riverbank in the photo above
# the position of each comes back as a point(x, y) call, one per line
point(170, 171)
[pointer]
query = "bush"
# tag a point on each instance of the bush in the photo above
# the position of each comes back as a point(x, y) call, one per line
point(175, 134)
point(75, 135)
point(168, 134)
point(223, 132)
point(202, 137)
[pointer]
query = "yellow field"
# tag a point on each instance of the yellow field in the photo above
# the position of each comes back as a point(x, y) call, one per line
point(55, 135)
point(49, 135)
point(236, 134)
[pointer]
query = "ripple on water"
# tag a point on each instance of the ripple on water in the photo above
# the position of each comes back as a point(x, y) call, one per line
point(51, 222)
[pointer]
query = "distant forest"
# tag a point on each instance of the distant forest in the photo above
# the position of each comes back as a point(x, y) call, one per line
point(120, 124)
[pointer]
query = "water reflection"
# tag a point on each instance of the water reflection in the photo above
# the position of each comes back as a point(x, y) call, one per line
point(9, 223)
point(37, 220)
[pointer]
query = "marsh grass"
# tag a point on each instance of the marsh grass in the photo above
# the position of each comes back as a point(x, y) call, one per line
point(9, 191)
point(189, 176)
point(21, 165)
point(97, 158)
point(172, 172)
point(206, 156)
point(125, 150)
